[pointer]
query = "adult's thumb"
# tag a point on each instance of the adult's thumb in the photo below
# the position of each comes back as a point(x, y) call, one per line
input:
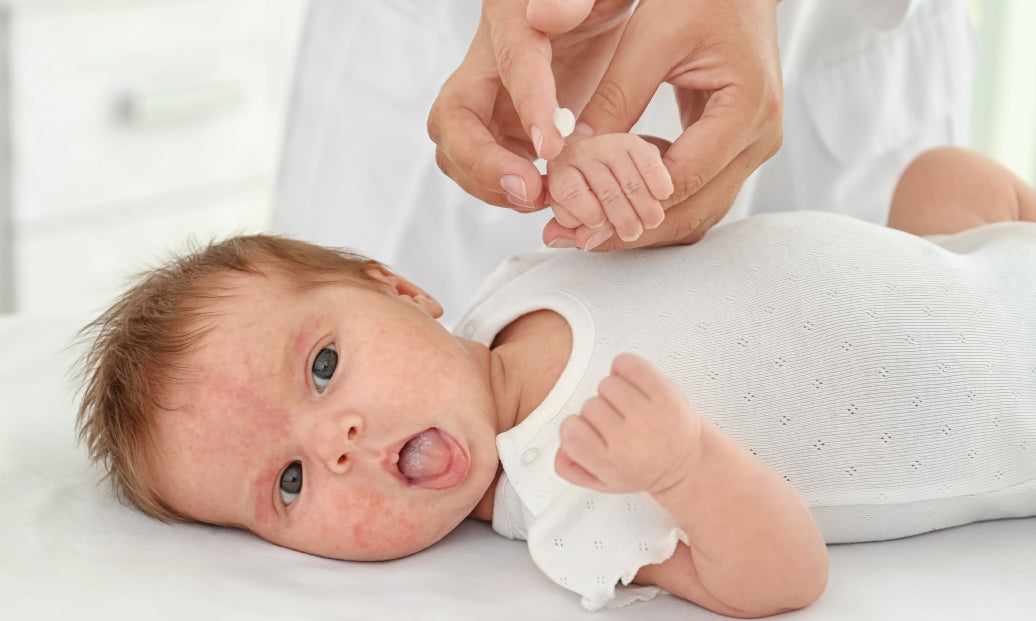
point(557, 16)
point(629, 83)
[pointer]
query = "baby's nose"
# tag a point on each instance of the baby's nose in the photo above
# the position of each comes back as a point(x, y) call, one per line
point(339, 440)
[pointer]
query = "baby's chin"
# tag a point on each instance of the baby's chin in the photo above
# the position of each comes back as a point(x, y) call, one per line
point(380, 539)
point(385, 550)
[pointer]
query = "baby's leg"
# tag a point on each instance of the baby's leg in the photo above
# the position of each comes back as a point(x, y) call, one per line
point(949, 189)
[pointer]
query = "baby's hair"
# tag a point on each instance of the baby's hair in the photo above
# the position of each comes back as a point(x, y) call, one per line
point(136, 348)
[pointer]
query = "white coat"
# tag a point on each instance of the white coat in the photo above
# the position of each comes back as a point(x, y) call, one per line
point(868, 85)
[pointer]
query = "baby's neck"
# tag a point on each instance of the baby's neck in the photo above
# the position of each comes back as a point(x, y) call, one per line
point(533, 350)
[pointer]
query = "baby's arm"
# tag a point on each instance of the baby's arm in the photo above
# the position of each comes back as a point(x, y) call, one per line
point(610, 183)
point(948, 189)
point(754, 547)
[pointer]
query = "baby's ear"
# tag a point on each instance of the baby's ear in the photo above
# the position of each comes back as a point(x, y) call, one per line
point(403, 287)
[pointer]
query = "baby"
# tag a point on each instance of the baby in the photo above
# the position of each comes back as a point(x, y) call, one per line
point(696, 418)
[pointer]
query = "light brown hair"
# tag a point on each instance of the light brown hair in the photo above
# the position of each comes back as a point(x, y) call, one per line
point(136, 348)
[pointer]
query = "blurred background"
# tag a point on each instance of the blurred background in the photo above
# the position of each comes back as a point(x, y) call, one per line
point(130, 126)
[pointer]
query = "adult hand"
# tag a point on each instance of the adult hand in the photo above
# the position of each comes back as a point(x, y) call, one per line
point(494, 115)
point(722, 58)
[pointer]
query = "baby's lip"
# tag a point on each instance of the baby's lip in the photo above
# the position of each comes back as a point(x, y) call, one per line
point(451, 476)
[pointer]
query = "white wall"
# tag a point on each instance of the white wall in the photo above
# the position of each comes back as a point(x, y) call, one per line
point(1004, 126)
point(1004, 119)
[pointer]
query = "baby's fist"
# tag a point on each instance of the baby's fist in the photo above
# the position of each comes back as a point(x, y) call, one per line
point(638, 434)
point(612, 182)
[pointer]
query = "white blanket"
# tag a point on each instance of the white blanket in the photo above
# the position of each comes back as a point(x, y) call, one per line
point(68, 551)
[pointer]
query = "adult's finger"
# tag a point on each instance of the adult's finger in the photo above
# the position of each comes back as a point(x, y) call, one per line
point(471, 155)
point(491, 166)
point(710, 145)
point(523, 59)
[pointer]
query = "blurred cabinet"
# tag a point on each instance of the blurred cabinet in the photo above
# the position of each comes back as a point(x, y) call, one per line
point(127, 127)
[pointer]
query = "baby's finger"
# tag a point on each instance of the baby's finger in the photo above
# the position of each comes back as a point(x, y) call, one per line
point(648, 160)
point(611, 193)
point(555, 235)
point(602, 416)
point(642, 378)
point(584, 445)
point(563, 216)
point(572, 472)
point(569, 189)
point(647, 209)
point(622, 396)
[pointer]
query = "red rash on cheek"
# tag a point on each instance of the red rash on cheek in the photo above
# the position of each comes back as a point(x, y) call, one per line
point(264, 512)
point(303, 343)
point(249, 438)
point(377, 525)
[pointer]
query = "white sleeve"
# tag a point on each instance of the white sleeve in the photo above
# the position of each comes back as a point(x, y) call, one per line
point(882, 14)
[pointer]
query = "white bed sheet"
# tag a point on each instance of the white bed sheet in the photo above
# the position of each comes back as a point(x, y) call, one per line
point(67, 550)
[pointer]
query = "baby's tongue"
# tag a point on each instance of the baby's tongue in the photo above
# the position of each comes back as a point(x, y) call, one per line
point(424, 457)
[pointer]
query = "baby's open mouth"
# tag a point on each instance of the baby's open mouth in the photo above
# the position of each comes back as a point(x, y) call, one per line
point(433, 460)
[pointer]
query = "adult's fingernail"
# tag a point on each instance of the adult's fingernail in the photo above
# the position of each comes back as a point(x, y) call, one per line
point(564, 121)
point(515, 188)
point(537, 139)
point(597, 239)
point(520, 205)
point(562, 242)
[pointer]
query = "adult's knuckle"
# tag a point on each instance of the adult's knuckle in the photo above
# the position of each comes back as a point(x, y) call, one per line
point(507, 59)
point(610, 98)
point(687, 184)
point(688, 229)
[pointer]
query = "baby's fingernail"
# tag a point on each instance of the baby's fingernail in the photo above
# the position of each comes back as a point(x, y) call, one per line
point(581, 132)
point(565, 121)
point(636, 235)
point(562, 242)
point(537, 139)
point(515, 188)
point(597, 239)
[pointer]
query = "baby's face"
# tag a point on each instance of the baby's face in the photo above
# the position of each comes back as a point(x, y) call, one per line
point(342, 421)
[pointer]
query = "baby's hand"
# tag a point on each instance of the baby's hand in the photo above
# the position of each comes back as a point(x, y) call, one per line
point(612, 182)
point(638, 434)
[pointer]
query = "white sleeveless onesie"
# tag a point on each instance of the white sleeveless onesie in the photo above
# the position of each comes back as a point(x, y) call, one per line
point(890, 379)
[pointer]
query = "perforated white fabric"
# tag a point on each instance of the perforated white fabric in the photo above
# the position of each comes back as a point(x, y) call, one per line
point(890, 379)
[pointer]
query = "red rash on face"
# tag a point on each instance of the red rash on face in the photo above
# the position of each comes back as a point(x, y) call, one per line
point(250, 409)
point(263, 507)
point(300, 348)
point(247, 419)
point(381, 526)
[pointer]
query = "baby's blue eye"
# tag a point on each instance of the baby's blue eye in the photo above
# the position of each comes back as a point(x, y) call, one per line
point(324, 366)
point(291, 483)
